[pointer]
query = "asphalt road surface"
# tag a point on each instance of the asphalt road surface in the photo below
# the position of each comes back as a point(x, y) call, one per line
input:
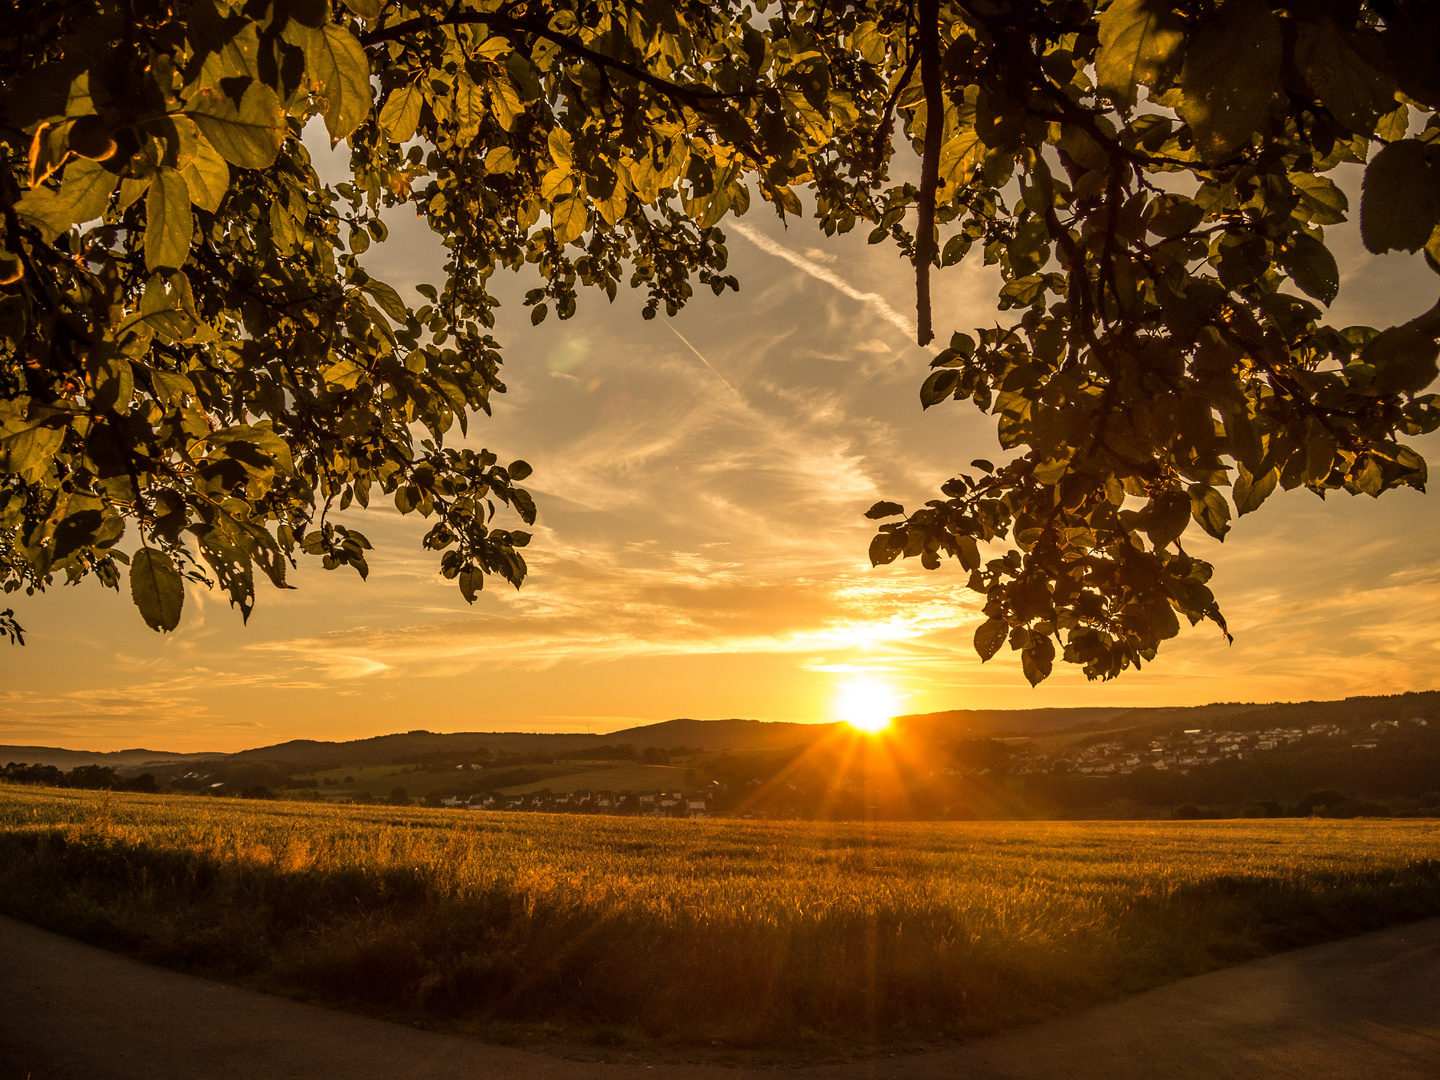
point(1366, 1007)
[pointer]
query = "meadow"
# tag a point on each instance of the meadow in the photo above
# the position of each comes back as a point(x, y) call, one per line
point(795, 937)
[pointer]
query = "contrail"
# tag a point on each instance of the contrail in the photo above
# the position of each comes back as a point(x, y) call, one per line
point(707, 363)
point(820, 273)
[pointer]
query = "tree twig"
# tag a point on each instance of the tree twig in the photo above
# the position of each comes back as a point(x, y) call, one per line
point(928, 17)
point(887, 123)
point(693, 96)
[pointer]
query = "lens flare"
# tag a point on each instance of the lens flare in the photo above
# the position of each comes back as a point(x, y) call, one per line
point(867, 705)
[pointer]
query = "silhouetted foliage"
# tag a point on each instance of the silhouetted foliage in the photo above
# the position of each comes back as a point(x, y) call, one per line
point(193, 357)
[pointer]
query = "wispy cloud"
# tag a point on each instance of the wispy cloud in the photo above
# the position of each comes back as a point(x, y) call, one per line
point(701, 356)
point(611, 607)
point(828, 276)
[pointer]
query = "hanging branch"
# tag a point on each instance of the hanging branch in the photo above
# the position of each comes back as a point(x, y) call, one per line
point(925, 247)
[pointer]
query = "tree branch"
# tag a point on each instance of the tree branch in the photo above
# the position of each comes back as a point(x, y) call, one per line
point(887, 123)
point(928, 17)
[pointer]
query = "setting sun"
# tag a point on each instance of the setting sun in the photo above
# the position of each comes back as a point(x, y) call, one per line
point(867, 705)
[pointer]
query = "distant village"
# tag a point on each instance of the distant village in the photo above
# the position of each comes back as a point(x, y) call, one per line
point(1185, 750)
point(648, 804)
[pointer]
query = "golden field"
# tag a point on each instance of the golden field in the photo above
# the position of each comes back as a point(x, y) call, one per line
point(753, 934)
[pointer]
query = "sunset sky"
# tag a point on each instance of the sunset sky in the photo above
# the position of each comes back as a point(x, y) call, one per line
point(701, 546)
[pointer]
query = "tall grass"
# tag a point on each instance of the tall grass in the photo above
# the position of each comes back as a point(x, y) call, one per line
point(749, 933)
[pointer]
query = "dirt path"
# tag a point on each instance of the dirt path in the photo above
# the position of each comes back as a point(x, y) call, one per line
point(1366, 1007)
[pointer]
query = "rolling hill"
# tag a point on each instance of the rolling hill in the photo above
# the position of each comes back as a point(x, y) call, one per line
point(740, 734)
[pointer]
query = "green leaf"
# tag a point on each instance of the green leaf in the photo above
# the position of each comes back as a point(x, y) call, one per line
point(252, 438)
point(366, 9)
point(171, 387)
point(344, 374)
point(167, 308)
point(1312, 267)
point(86, 190)
point(1404, 360)
point(883, 549)
point(1139, 41)
point(883, 510)
point(989, 636)
point(960, 156)
point(1172, 215)
point(1250, 492)
point(500, 160)
point(28, 446)
point(562, 150)
point(248, 133)
point(1243, 436)
point(1037, 658)
point(955, 249)
point(524, 505)
point(1366, 475)
point(1400, 201)
point(569, 217)
point(401, 113)
point(505, 102)
point(1321, 202)
point(388, 299)
point(130, 190)
point(1343, 81)
point(471, 582)
point(1320, 447)
point(90, 138)
point(87, 523)
point(226, 50)
point(43, 207)
point(470, 110)
point(1240, 258)
point(407, 498)
point(1231, 76)
point(1394, 124)
point(112, 382)
point(156, 588)
point(938, 386)
point(1210, 510)
point(207, 177)
point(83, 196)
point(168, 224)
point(1166, 517)
point(337, 61)
point(969, 552)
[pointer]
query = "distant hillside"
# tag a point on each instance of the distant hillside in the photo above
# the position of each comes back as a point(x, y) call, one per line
point(389, 749)
point(414, 745)
point(720, 734)
point(999, 722)
point(737, 734)
point(1240, 716)
point(70, 759)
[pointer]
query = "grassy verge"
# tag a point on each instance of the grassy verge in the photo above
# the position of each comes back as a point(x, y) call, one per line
point(749, 934)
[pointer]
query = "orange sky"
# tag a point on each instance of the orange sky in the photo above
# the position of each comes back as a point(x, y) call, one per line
point(701, 549)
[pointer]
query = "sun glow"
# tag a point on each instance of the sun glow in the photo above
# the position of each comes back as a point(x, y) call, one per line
point(867, 705)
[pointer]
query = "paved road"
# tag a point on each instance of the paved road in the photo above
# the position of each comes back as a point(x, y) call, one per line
point(1368, 1007)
